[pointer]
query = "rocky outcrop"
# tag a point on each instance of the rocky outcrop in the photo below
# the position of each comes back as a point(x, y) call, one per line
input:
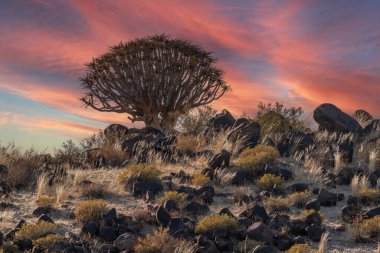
point(331, 118)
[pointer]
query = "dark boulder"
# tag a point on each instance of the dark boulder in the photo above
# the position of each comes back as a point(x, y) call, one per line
point(256, 213)
point(315, 232)
point(258, 231)
point(5, 189)
point(3, 170)
point(327, 198)
point(126, 242)
point(373, 126)
point(91, 228)
point(332, 119)
point(163, 217)
point(371, 213)
point(222, 120)
point(344, 176)
point(45, 218)
point(313, 205)
point(244, 135)
point(115, 132)
point(41, 210)
point(220, 160)
point(298, 187)
point(349, 212)
point(195, 208)
point(108, 233)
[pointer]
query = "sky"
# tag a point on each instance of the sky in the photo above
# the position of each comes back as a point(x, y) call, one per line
point(301, 53)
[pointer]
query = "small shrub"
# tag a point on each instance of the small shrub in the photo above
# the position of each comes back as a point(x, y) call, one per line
point(187, 144)
point(161, 242)
point(93, 191)
point(139, 172)
point(173, 195)
point(216, 221)
point(253, 160)
point(300, 248)
point(9, 248)
point(47, 241)
point(300, 198)
point(371, 227)
point(371, 194)
point(36, 231)
point(307, 212)
point(90, 209)
point(45, 201)
point(200, 179)
point(277, 204)
point(61, 194)
point(268, 182)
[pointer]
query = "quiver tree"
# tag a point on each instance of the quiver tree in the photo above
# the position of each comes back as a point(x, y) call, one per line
point(153, 79)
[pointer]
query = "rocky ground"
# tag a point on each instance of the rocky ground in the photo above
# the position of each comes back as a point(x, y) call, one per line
point(219, 197)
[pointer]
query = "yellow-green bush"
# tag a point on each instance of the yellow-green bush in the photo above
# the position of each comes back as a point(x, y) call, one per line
point(47, 241)
point(9, 248)
point(173, 195)
point(45, 201)
point(371, 227)
point(161, 242)
point(300, 248)
point(269, 181)
point(273, 122)
point(200, 179)
point(214, 222)
point(300, 198)
point(90, 209)
point(371, 194)
point(36, 231)
point(253, 160)
point(306, 212)
point(279, 204)
point(139, 172)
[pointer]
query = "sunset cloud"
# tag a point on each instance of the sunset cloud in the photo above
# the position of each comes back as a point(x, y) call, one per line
point(296, 52)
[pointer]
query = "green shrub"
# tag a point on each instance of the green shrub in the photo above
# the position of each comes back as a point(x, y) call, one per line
point(90, 209)
point(139, 172)
point(36, 231)
point(371, 227)
point(268, 182)
point(253, 160)
point(216, 221)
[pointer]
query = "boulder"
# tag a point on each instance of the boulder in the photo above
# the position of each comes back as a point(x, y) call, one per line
point(3, 170)
point(163, 217)
point(45, 218)
point(229, 176)
point(115, 132)
point(349, 212)
point(315, 232)
point(266, 249)
point(108, 233)
point(91, 228)
point(332, 119)
point(313, 205)
point(5, 189)
point(41, 210)
point(344, 176)
point(222, 120)
point(258, 231)
point(244, 135)
point(126, 242)
point(256, 213)
point(327, 198)
point(373, 126)
point(220, 160)
point(298, 187)
point(195, 208)
point(371, 213)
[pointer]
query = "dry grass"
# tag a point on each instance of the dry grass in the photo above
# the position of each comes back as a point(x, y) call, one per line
point(79, 175)
point(9, 247)
point(173, 195)
point(90, 209)
point(36, 231)
point(161, 242)
point(47, 241)
point(61, 194)
point(300, 198)
point(139, 172)
point(45, 201)
point(307, 212)
point(268, 182)
point(187, 144)
point(253, 160)
point(216, 221)
point(322, 248)
point(277, 205)
point(113, 154)
point(42, 184)
point(199, 179)
point(93, 191)
point(300, 248)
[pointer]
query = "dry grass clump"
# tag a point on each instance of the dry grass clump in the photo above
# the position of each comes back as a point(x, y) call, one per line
point(253, 160)
point(187, 144)
point(248, 245)
point(45, 201)
point(113, 154)
point(300, 248)
point(268, 182)
point(22, 166)
point(361, 188)
point(371, 227)
point(36, 231)
point(139, 172)
point(277, 204)
point(161, 242)
point(300, 198)
point(90, 209)
point(61, 194)
point(47, 241)
point(216, 221)
point(9, 247)
point(92, 191)
point(173, 195)
point(199, 179)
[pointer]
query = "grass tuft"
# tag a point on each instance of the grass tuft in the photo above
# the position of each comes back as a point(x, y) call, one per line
point(268, 182)
point(90, 209)
point(216, 221)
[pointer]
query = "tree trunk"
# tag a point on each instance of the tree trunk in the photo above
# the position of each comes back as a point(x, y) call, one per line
point(165, 125)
